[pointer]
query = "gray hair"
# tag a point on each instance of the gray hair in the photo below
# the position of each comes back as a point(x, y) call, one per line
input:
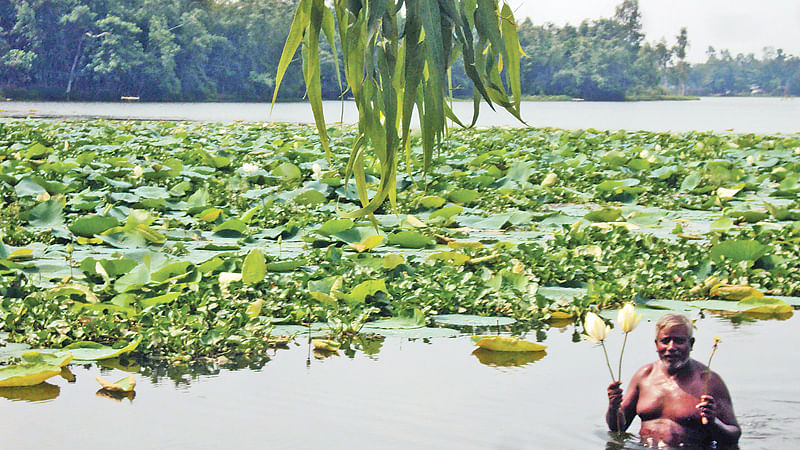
point(668, 320)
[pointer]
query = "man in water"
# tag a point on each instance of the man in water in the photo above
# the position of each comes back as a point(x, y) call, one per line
point(676, 404)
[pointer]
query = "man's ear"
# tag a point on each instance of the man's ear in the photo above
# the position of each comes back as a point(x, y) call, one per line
point(691, 343)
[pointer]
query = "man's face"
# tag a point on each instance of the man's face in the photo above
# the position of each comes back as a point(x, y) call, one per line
point(673, 345)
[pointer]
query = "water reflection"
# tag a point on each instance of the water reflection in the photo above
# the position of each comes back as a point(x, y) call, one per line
point(116, 395)
point(39, 393)
point(507, 359)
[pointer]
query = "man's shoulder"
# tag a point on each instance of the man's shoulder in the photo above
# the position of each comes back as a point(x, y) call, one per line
point(644, 371)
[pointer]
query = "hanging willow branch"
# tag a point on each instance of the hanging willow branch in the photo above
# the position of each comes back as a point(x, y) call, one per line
point(390, 71)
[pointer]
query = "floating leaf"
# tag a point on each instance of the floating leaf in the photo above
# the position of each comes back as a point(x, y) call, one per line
point(722, 224)
point(47, 214)
point(59, 359)
point(453, 258)
point(327, 345)
point(91, 225)
point(367, 244)
point(765, 305)
point(334, 226)
point(431, 201)
point(509, 344)
point(124, 385)
point(410, 239)
point(92, 351)
point(464, 196)
point(391, 260)
point(27, 374)
point(606, 214)
point(734, 292)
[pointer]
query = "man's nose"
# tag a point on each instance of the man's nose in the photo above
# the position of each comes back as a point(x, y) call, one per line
point(670, 345)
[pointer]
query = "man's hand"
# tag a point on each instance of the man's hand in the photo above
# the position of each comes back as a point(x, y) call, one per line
point(707, 407)
point(614, 395)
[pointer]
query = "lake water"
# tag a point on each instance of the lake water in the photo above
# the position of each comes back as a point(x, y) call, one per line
point(740, 115)
point(411, 394)
point(432, 394)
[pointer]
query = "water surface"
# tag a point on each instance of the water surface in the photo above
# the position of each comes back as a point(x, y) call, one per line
point(412, 394)
point(741, 115)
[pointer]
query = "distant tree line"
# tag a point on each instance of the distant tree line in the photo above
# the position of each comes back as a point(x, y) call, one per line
point(190, 50)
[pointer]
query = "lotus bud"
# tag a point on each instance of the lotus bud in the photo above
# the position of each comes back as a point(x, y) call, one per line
point(750, 160)
point(596, 329)
point(137, 172)
point(43, 197)
point(627, 318)
point(316, 171)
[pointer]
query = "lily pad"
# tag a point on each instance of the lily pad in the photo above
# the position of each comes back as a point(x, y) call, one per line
point(124, 385)
point(27, 374)
point(509, 344)
point(92, 351)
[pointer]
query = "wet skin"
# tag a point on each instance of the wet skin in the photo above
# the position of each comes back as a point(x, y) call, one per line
point(669, 397)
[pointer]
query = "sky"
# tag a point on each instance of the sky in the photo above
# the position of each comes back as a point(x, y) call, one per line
point(741, 26)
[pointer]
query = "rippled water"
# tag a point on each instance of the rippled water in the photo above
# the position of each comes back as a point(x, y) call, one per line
point(742, 115)
point(411, 394)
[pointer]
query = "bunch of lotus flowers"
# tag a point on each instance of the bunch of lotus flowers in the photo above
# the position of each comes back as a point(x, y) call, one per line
point(597, 331)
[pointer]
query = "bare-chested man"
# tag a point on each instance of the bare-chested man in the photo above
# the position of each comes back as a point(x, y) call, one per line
point(669, 395)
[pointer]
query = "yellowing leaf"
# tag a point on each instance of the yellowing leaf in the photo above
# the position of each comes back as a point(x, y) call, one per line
point(414, 222)
point(509, 344)
point(28, 374)
point(124, 385)
point(464, 244)
point(209, 215)
point(392, 260)
point(734, 292)
point(325, 345)
point(367, 244)
point(254, 309)
point(22, 254)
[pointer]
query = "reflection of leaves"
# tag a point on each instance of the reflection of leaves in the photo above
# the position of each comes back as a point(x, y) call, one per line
point(39, 392)
point(116, 395)
point(507, 359)
point(509, 344)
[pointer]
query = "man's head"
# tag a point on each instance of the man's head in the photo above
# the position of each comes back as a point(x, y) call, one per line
point(674, 340)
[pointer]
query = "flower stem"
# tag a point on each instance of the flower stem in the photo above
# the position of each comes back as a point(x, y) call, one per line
point(619, 371)
point(607, 362)
point(708, 373)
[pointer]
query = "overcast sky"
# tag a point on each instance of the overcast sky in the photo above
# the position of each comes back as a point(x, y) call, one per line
point(741, 26)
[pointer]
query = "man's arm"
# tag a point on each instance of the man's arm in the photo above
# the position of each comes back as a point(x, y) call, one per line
point(622, 407)
point(717, 408)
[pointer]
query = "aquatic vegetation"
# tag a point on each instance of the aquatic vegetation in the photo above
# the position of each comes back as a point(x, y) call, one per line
point(228, 237)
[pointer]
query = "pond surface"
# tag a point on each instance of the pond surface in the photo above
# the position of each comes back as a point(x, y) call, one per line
point(410, 394)
point(741, 115)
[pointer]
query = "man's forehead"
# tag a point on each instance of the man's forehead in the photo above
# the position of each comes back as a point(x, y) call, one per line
point(674, 330)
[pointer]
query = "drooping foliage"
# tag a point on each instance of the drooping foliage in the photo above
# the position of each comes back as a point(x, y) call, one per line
point(394, 63)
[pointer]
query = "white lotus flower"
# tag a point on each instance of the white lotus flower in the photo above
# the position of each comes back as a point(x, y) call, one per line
point(316, 171)
point(249, 168)
point(137, 172)
point(627, 318)
point(43, 197)
point(596, 329)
